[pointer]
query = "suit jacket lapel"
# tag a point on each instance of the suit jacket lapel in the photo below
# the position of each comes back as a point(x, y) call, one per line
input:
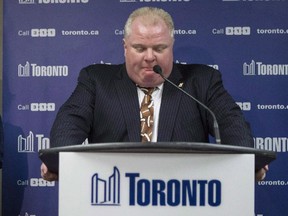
point(169, 106)
point(127, 93)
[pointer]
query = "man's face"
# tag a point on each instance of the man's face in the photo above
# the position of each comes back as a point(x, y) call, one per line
point(146, 46)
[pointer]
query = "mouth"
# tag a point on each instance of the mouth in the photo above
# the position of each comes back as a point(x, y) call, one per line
point(149, 69)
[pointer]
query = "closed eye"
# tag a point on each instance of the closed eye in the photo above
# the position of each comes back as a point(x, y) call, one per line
point(139, 48)
point(159, 48)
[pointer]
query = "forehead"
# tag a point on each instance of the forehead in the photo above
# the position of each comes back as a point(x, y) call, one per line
point(149, 27)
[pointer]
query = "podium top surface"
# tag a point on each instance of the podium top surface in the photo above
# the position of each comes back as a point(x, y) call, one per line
point(51, 156)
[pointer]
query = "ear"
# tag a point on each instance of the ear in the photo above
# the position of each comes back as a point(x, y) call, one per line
point(124, 43)
point(125, 46)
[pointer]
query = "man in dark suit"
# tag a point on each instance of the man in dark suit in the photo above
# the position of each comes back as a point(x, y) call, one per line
point(104, 107)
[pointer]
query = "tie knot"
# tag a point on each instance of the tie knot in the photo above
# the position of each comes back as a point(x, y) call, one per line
point(147, 91)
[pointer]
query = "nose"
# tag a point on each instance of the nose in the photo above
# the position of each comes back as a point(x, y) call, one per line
point(149, 55)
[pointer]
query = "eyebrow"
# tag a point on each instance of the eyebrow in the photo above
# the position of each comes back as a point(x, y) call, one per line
point(155, 46)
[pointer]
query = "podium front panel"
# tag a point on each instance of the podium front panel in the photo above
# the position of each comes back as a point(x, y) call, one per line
point(156, 184)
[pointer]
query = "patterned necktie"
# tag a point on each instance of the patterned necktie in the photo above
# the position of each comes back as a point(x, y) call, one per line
point(146, 114)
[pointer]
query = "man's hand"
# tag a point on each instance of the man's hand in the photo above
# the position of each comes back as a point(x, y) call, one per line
point(261, 174)
point(46, 175)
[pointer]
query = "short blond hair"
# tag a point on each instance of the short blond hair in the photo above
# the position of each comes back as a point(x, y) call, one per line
point(152, 14)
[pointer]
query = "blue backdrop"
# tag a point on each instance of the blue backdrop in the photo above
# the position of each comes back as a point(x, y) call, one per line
point(47, 42)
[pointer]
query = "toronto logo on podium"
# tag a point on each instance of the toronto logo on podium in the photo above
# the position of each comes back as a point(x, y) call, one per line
point(106, 191)
point(155, 191)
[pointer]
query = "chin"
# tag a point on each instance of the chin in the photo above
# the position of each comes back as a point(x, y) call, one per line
point(152, 82)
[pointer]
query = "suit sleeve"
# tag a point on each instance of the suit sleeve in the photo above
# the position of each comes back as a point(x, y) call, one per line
point(234, 130)
point(74, 119)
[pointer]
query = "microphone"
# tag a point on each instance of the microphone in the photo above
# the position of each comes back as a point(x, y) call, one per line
point(157, 69)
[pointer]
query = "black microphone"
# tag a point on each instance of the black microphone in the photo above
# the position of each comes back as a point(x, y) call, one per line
point(157, 69)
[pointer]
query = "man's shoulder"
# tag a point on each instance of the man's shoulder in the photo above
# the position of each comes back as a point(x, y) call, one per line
point(196, 70)
point(101, 71)
point(103, 67)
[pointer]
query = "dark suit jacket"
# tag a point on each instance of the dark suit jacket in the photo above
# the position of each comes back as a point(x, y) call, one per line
point(104, 107)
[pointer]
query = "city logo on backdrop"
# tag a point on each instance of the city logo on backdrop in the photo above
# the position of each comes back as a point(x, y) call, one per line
point(27, 144)
point(52, 1)
point(261, 69)
point(154, 192)
point(34, 70)
point(277, 144)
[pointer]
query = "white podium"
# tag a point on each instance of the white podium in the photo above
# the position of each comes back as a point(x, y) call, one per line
point(156, 178)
